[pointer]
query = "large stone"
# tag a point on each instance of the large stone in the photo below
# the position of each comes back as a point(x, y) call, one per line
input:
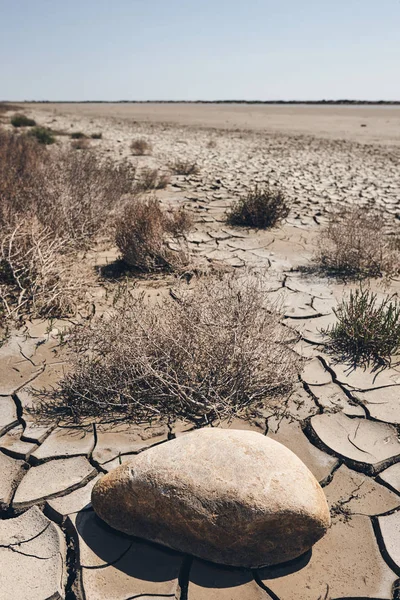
point(232, 497)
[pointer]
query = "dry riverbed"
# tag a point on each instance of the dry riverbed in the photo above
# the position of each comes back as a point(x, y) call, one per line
point(342, 422)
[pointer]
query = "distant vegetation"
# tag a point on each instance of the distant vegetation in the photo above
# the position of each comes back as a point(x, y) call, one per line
point(77, 135)
point(184, 167)
point(20, 120)
point(140, 147)
point(43, 135)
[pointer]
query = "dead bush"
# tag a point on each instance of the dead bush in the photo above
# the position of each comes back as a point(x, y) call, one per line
point(261, 208)
point(218, 351)
point(151, 179)
point(71, 194)
point(184, 167)
point(355, 245)
point(151, 239)
point(38, 275)
point(21, 159)
point(140, 147)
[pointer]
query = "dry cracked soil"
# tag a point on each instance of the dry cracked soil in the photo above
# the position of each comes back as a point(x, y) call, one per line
point(342, 422)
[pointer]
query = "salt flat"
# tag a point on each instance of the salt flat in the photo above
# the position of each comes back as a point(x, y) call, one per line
point(371, 124)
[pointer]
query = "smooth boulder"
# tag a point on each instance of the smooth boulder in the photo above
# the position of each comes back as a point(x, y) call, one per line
point(232, 497)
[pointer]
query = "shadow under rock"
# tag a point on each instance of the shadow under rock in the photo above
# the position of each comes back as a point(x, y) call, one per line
point(148, 561)
point(283, 569)
point(135, 557)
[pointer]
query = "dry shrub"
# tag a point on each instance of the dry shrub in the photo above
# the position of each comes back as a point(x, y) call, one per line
point(184, 167)
point(151, 239)
point(261, 208)
point(80, 144)
point(96, 136)
point(355, 245)
point(6, 107)
point(38, 275)
point(70, 194)
point(151, 179)
point(218, 351)
point(140, 147)
point(21, 159)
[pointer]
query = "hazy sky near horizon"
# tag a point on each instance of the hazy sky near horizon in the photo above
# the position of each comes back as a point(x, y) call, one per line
point(199, 49)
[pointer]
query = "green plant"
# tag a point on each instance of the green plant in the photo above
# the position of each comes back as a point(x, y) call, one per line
point(367, 329)
point(150, 238)
point(43, 135)
point(184, 167)
point(261, 208)
point(355, 245)
point(20, 120)
point(77, 135)
point(218, 351)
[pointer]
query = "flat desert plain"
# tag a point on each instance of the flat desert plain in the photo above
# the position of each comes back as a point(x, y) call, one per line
point(369, 123)
point(342, 422)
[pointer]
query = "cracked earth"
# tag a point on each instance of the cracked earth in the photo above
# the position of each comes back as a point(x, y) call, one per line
point(343, 423)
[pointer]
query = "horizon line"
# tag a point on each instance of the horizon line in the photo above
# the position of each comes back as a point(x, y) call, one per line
point(226, 101)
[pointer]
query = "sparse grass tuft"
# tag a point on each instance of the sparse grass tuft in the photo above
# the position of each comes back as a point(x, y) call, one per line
point(261, 208)
point(184, 167)
point(141, 147)
point(151, 239)
point(21, 120)
point(43, 135)
point(355, 245)
point(96, 136)
point(218, 351)
point(368, 330)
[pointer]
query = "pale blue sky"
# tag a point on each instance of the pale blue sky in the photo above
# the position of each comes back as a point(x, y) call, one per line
point(204, 49)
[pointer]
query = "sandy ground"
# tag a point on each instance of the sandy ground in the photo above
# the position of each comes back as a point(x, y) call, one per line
point(365, 124)
point(342, 422)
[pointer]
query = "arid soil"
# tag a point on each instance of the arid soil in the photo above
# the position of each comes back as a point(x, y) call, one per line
point(342, 422)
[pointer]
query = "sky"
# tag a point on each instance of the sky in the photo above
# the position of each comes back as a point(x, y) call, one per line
point(199, 49)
